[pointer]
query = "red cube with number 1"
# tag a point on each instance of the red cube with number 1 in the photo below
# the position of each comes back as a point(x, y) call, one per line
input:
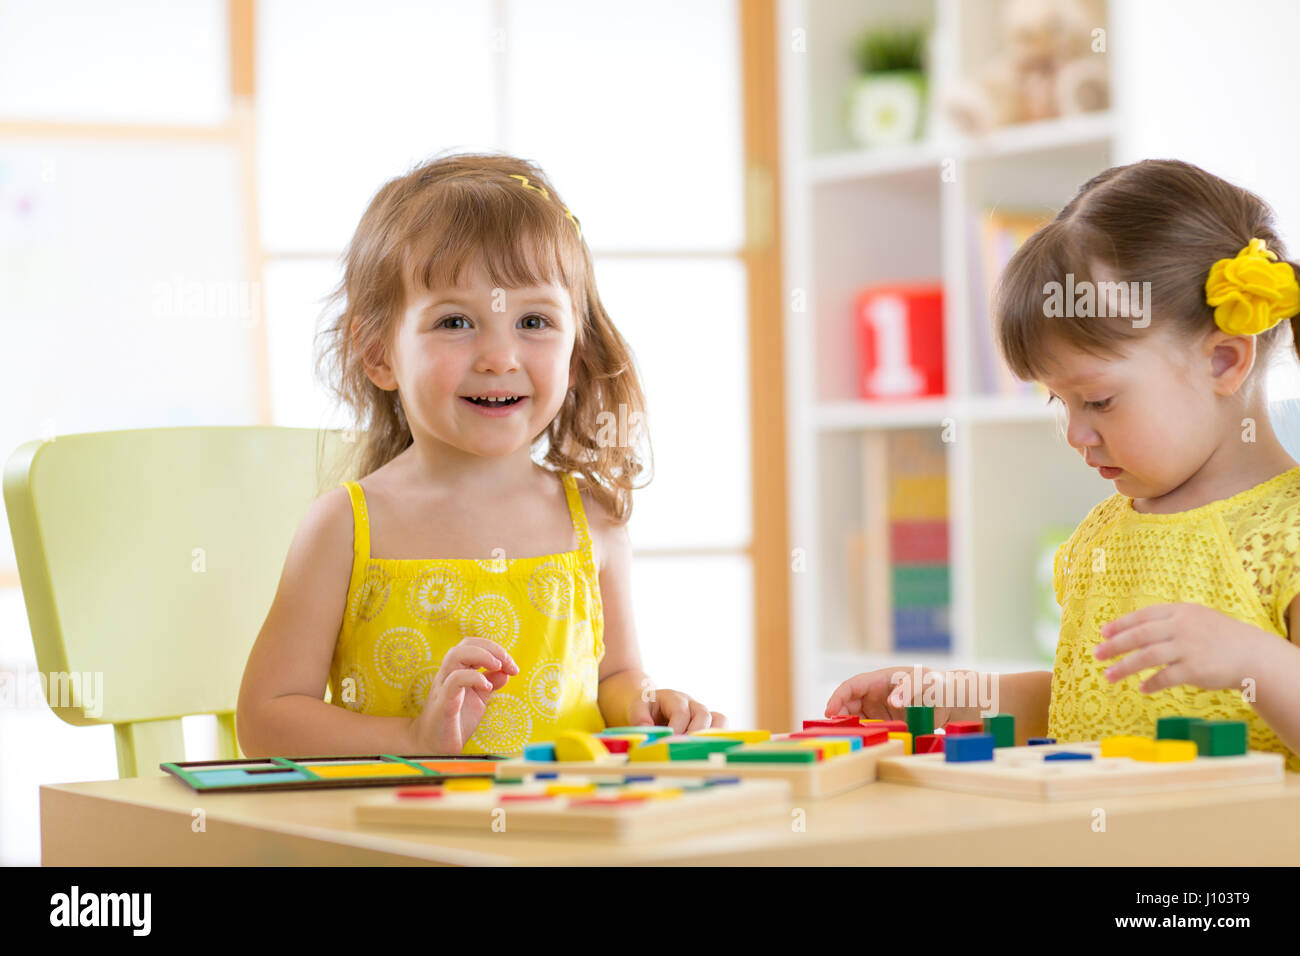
point(900, 334)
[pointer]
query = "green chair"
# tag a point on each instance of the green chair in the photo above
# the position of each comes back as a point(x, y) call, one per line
point(151, 557)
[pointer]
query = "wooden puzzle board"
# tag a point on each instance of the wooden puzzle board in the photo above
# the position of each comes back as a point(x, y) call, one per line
point(315, 773)
point(1021, 772)
point(525, 808)
point(808, 781)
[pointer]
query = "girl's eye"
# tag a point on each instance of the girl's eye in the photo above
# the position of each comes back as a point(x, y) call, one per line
point(452, 318)
point(541, 319)
point(1099, 406)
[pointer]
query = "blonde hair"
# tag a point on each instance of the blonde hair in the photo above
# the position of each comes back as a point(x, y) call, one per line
point(1159, 220)
point(423, 229)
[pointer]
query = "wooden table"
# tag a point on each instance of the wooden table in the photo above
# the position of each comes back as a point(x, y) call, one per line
point(149, 820)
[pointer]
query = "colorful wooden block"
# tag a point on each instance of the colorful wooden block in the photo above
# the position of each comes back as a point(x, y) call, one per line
point(928, 744)
point(829, 746)
point(579, 745)
point(893, 726)
point(745, 736)
point(616, 744)
point(1220, 738)
point(1040, 741)
point(844, 720)
point(540, 752)
point(920, 720)
point(633, 740)
point(649, 729)
point(771, 753)
point(1174, 751)
point(1067, 755)
point(967, 748)
point(1121, 745)
point(963, 727)
point(1175, 728)
point(1003, 729)
point(868, 735)
point(906, 738)
point(469, 783)
point(854, 742)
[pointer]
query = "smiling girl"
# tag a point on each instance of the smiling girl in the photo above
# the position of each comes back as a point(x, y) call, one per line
point(471, 591)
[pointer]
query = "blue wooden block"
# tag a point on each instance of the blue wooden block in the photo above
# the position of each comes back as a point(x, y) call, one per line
point(639, 778)
point(719, 781)
point(967, 748)
point(1067, 755)
point(1034, 741)
point(546, 776)
point(540, 752)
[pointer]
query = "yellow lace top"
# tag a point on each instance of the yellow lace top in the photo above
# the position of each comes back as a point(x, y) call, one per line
point(1237, 555)
point(403, 615)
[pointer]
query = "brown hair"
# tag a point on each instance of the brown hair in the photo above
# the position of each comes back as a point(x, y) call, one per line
point(424, 228)
point(1160, 221)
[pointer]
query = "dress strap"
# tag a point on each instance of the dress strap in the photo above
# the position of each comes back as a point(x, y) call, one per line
point(360, 520)
point(576, 512)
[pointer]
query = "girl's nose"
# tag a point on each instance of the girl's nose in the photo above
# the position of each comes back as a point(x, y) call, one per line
point(496, 354)
point(1080, 434)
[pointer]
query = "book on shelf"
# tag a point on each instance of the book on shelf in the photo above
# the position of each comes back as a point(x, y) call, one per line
point(993, 239)
point(903, 549)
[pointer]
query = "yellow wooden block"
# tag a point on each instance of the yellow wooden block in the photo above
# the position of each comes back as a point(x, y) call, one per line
point(906, 738)
point(870, 720)
point(1169, 751)
point(569, 789)
point(1122, 746)
point(473, 783)
point(748, 736)
point(668, 793)
point(649, 752)
point(828, 747)
point(1144, 749)
point(579, 745)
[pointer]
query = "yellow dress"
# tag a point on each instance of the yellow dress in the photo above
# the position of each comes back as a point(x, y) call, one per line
point(403, 615)
point(1238, 555)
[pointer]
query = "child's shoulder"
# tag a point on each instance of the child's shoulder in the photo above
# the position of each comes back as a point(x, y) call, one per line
point(608, 534)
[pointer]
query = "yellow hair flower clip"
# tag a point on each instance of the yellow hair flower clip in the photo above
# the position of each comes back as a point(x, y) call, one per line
point(1252, 292)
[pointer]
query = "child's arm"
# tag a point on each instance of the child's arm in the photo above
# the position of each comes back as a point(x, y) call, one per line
point(1277, 675)
point(627, 695)
point(281, 710)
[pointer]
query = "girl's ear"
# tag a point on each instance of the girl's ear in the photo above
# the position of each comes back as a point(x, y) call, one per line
point(375, 364)
point(1231, 359)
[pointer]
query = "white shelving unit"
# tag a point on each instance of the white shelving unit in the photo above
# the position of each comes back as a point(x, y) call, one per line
point(857, 217)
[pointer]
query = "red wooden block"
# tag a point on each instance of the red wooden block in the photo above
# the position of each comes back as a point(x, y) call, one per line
point(893, 726)
point(519, 797)
point(616, 745)
point(419, 792)
point(928, 744)
point(845, 720)
point(964, 727)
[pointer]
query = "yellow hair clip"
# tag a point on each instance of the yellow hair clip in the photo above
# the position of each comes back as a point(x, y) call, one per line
point(1252, 291)
point(523, 181)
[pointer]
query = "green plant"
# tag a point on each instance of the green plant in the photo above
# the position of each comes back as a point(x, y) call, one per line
point(891, 48)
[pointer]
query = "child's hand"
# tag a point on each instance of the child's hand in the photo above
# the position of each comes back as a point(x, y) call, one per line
point(459, 695)
point(881, 695)
point(1191, 643)
point(679, 711)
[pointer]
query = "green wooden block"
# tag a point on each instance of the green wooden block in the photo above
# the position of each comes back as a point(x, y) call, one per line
point(1003, 729)
point(759, 755)
point(654, 732)
point(1219, 738)
point(1175, 728)
point(698, 749)
point(920, 720)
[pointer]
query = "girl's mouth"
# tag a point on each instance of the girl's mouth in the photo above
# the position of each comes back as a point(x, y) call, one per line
point(495, 402)
point(495, 407)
